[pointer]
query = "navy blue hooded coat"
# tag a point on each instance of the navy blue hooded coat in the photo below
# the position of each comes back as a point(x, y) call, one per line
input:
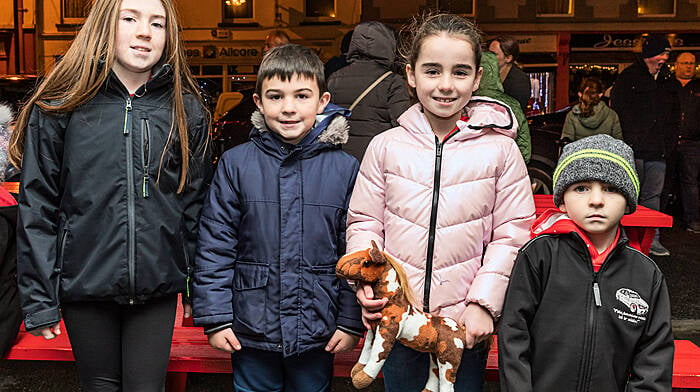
point(271, 232)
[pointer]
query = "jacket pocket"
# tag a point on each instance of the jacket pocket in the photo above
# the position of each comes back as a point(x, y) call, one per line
point(249, 298)
point(326, 290)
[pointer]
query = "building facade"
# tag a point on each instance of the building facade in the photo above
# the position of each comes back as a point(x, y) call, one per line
point(17, 37)
point(561, 40)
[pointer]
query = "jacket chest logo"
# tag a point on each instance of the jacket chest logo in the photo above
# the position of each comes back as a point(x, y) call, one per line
point(635, 307)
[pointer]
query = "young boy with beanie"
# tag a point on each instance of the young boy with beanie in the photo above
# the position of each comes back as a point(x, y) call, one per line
point(585, 311)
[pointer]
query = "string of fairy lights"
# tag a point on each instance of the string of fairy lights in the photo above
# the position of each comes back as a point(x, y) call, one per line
point(611, 68)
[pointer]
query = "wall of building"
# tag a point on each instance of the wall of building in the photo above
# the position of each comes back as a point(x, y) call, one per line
point(8, 39)
point(228, 51)
point(220, 50)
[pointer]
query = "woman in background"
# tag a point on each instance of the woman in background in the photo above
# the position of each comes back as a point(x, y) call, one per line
point(591, 115)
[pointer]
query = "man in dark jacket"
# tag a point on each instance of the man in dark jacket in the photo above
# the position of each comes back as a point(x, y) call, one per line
point(371, 54)
point(645, 99)
point(688, 143)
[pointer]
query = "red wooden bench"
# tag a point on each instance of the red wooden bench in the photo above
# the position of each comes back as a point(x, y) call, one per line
point(192, 354)
point(639, 226)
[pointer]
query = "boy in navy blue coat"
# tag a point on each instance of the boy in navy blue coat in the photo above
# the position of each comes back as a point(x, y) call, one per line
point(271, 231)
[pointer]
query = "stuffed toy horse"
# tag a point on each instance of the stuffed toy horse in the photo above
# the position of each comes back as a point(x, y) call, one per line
point(401, 321)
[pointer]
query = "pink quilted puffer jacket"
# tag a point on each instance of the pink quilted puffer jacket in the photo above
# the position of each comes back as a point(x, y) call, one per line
point(484, 208)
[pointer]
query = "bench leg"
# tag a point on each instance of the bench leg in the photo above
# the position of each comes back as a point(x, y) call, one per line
point(176, 382)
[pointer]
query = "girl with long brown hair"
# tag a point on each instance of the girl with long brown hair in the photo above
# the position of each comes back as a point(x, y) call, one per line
point(591, 116)
point(113, 146)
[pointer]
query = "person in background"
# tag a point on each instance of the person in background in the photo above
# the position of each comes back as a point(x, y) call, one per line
point(585, 311)
point(591, 116)
point(371, 54)
point(271, 232)
point(646, 100)
point(688, 143)
point(515, 81)
point(275, 38)
point(490, 86)
point(337, 62)
point(113, 147)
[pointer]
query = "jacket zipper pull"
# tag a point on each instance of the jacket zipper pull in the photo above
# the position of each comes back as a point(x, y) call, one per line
point(144, 186)
point(596, 291)
point(146, 158)
point(127, 109)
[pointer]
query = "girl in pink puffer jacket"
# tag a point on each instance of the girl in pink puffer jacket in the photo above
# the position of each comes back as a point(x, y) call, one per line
point(447, 195)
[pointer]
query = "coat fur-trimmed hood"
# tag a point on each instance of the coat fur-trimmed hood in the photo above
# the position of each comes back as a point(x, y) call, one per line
point(6, 115)
point(336, 133)
point(6, 118)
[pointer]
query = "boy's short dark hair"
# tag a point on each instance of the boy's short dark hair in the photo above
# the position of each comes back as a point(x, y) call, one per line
point(288, 60)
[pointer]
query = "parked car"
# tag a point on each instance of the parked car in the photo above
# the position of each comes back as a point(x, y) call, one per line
point(15, 89)
point(545, 132)
point(233, 128)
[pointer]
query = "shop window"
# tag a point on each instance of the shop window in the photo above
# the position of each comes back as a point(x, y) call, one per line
point(656, 7)
point(555, 7)
point(238, 11)
point(320, 9)
point(74, 11)
point(461, 7)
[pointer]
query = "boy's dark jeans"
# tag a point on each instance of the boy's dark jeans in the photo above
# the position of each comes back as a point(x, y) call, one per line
point(259, 370)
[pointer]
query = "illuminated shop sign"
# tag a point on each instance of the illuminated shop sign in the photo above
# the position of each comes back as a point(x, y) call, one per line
point(627, 42)
point(222, 52)
point(534, 43)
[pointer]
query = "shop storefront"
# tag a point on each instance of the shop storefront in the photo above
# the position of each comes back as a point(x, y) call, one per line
point(224, 67)
point(604, 55)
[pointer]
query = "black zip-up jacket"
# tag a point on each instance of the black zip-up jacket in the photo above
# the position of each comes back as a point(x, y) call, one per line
point(566, 328)
point(648, 109)
point(99, 218)
point(689, 98)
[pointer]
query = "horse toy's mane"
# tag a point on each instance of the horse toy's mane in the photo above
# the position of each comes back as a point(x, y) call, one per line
point(402, 321)
point(401, 277)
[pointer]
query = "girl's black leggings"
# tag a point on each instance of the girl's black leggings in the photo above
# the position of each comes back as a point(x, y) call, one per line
point(121, 347)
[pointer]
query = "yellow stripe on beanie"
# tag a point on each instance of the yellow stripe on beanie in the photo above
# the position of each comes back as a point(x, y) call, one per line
point(601, 154)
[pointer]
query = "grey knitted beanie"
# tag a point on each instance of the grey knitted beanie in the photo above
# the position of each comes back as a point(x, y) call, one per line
point(601, 158)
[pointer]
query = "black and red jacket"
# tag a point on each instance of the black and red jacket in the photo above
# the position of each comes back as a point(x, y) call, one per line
point(567, 328)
